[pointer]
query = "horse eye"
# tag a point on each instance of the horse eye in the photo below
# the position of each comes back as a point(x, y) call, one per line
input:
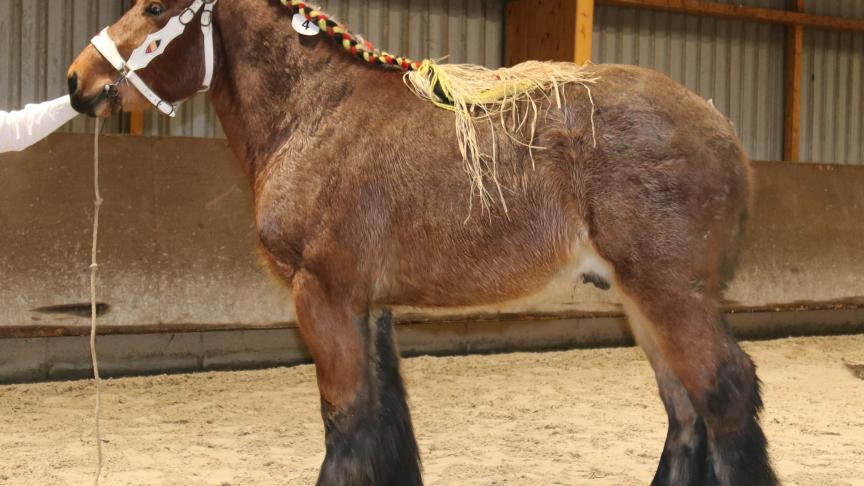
point(155, 9)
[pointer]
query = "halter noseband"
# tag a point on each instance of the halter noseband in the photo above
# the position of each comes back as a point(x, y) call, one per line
point(154, 46)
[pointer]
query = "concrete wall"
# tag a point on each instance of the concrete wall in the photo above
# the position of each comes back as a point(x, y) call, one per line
point(178, 258)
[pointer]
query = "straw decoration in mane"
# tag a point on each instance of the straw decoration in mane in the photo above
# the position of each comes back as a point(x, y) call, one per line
point(611, 175)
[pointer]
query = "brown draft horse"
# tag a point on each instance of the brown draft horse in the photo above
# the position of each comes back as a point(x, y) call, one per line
point(361, 199)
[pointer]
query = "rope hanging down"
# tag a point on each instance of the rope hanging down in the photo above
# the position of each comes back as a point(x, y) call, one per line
point(94, 266)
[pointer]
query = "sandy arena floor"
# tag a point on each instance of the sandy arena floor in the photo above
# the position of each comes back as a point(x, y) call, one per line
point(566, 418)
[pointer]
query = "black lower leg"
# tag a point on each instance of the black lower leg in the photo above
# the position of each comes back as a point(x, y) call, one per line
point(684, 454)
point(738, 449)
point(373, 443)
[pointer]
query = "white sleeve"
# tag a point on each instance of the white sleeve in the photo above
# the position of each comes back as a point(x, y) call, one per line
point(21, 129)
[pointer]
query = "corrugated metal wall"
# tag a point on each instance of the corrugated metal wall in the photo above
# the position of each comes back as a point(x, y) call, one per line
point(831, 128)
point(40, 38)
point(737, 64)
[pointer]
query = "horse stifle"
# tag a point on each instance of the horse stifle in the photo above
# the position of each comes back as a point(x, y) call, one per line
point(365, 199)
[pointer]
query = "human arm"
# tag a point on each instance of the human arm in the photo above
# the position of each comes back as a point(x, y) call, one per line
point(21, 129)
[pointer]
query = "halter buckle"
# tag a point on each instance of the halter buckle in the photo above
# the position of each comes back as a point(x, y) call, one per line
point(187, 16)
point(170, 110)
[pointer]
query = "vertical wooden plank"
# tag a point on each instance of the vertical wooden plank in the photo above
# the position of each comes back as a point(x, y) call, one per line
point(794, 73)
point(546, 31)
point(515, 42)
point(136, 123)
point(584, 31)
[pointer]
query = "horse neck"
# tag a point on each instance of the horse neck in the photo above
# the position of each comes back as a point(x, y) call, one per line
point(271, 89)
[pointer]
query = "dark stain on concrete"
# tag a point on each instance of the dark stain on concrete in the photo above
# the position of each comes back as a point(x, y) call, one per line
point(77, 310)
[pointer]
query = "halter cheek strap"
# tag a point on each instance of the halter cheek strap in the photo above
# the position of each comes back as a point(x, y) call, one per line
point(154, 46)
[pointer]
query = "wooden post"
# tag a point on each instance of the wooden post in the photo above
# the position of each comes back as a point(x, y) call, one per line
point(584, 31)
point(560, 30)
point(136, 123)
point(793, 83)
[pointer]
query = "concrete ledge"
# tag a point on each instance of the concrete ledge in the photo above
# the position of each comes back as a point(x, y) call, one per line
point(64, 358)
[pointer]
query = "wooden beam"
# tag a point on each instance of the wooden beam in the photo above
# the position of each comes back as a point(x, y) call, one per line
point(584, 38)
point(559, 30)
point(793, 83)
point(136, 123)
point(754, 14)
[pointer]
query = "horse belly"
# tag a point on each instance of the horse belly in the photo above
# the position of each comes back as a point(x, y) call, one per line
point(465, 280)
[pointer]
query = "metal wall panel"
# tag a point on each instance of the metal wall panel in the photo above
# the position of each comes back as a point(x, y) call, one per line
point(832, 104)
point(40, 38)
point(738, 65)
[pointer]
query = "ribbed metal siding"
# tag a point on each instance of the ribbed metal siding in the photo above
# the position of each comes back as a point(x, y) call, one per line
point(833, 102)
point(739, 65)
point(40, 38)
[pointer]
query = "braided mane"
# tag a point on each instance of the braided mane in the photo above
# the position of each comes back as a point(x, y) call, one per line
point(475, 94)
point(352, 43)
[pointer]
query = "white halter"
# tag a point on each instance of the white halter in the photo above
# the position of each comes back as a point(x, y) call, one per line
point(154, 45)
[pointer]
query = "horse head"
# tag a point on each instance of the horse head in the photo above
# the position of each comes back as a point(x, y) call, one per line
point(155, 55)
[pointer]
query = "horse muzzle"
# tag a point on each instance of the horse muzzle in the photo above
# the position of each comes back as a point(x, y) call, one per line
point(103, 103)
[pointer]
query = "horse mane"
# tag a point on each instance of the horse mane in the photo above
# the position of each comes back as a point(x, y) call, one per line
point(475, 94)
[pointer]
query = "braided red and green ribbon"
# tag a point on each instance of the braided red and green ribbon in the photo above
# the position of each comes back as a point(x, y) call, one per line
point(356, 46)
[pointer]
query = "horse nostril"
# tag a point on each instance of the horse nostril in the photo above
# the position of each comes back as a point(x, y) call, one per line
point(73, 83)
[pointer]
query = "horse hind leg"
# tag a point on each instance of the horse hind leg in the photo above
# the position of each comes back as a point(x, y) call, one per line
point(684, 457)
point(369, 436)
point(686, 331)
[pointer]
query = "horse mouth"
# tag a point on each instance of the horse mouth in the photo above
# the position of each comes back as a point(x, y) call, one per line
point(103, 105)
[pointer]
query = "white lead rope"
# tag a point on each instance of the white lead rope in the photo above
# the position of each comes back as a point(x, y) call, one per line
point(154, 46)
point(94, 266)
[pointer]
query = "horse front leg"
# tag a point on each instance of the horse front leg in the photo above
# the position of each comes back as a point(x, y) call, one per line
point(369, 436)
